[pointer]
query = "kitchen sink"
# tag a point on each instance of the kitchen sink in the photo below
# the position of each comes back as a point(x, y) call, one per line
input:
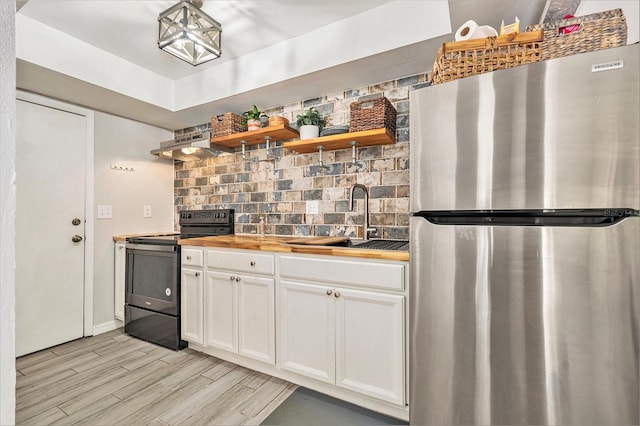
point(376, 244)
point(380, 244)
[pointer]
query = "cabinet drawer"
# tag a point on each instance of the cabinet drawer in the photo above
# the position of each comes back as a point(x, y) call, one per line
point(350, 272)
point(192, 257)
point(241, 261)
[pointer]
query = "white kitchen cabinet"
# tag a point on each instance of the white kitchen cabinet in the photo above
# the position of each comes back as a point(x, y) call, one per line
point(340, 334)
point(192, 295)
point(240, 314)
point(191, 306)
point(370, 343)
point(221, 311)
point(119, 282)
point(307, 336)
point(340, 321)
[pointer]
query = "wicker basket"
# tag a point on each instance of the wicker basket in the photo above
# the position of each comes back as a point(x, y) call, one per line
point(227, 124)
point(461, 59)
point(372, 114)
point(597, 31)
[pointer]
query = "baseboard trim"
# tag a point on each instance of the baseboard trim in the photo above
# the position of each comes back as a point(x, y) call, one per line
point(106, 326)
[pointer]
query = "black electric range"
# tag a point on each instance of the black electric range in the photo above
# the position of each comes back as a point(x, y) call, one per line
point(152, 298)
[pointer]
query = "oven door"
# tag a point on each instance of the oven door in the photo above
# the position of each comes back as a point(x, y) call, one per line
point(153, 277)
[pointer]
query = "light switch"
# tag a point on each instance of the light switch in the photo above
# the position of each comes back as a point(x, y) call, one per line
point(146, 211)
point(105, 212)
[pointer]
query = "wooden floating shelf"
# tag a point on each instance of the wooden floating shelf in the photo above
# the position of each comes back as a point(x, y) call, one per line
point(342, 141)
point(254, 137)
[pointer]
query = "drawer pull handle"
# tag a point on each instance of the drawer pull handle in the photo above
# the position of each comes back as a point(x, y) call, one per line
point(337, 294)
point(252, 263)
point(188, 257)
point(329, 292)
point(197, 274)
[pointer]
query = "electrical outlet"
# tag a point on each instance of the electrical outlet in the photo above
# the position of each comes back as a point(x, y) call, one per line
point(105, 212)
point(313, 207)
point(146, 211)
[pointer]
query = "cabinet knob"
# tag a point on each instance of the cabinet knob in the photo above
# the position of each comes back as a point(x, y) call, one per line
point(252, 263)
point(197, 274)
point(188, 257)
point(336, 294)
point(237, 279)
point(329, 292)
point(232, 278)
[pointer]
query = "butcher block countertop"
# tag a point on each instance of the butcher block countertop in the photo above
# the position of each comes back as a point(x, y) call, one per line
point(123, 237)
point(280, 244)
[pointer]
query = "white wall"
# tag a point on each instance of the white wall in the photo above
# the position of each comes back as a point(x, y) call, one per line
point(127, 143)
point(7, 211)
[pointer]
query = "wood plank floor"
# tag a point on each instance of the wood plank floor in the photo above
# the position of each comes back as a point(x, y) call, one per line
point(114, 379)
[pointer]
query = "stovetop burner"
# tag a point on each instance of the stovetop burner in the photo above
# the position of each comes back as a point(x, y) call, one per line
point(193, 224)
point(159, 239)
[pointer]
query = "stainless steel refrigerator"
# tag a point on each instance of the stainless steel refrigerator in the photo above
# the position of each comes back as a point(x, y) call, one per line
point(525, 245)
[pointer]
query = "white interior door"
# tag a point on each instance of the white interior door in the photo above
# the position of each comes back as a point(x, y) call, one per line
point(50, 180)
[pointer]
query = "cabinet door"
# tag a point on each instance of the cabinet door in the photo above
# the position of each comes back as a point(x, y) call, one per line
point(307, 334)
point(370, 344)
point(191, 305)
point(120, 258)
point(221, 318)
point(256, 318)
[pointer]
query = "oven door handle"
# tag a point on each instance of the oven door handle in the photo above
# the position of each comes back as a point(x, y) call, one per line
point(150, 247)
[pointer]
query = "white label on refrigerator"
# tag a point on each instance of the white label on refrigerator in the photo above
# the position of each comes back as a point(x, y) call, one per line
point(607, 66)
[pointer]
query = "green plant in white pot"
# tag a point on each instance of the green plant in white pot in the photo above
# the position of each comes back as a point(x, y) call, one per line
point(310, 124)
point(251, 118)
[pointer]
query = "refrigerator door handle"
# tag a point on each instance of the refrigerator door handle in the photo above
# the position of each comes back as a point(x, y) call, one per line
point(572, 218)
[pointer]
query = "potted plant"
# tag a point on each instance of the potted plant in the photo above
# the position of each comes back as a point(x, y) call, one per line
point(310, 124)
point(251, 118)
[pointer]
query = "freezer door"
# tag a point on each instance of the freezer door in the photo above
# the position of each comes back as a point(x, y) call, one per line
point(550, 135)
point(524, 325)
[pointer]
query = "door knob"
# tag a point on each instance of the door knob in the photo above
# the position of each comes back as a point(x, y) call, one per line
point(76, 221)
point(76, 238)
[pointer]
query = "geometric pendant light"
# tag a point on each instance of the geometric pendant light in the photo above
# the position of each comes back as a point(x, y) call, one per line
point(188, 33)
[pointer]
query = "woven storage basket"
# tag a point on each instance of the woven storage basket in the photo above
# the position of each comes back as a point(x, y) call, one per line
point(461, 59)
point(597, 31)
point(226, 124)
point(372, 114)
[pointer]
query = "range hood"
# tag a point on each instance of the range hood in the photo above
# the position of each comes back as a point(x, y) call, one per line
point(192, 149)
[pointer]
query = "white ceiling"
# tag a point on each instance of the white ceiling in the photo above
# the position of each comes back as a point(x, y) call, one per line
point(102, 54)
point(129, 29)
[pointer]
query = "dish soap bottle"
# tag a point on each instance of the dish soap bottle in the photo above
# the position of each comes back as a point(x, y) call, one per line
point(261, 227)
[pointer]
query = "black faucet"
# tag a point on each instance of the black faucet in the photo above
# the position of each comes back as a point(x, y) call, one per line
point(367, 230)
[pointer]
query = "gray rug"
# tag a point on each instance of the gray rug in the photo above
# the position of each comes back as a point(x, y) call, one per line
point(310, 408)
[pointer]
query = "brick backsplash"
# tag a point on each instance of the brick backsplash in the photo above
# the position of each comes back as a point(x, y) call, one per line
point(278, 189)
